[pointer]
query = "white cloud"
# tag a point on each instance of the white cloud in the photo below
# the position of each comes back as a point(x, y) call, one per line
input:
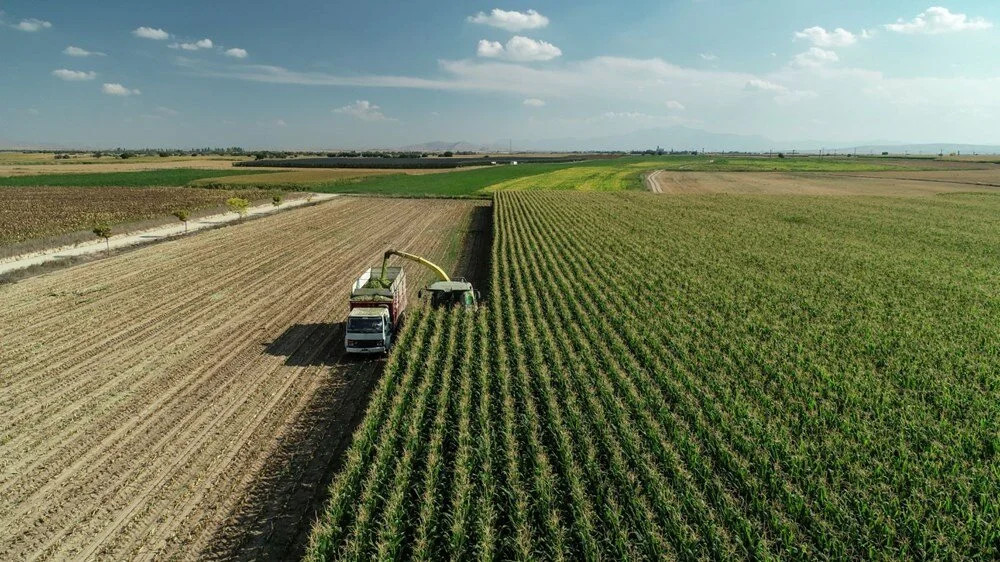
point(74, 75)
point(534, 102)
point(857, 103)
point(150, 33)
point(815, 57)
point(197, 45)
point(364, 110)
point(280, 123)
point(78, 52)
point(675, 105)
point(820, 37)
point(937, 20)
point(625, 115)
point(512, 21)
point(489, 48)
point(31, 25)
point(236, 53)
point(33, 111)
point(518, 49)
point(118, 90)
point(708, 56)
point(759, 85)
point(166, 111)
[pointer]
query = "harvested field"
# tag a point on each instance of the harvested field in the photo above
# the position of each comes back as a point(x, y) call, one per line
point(188, 400)
point(988, 176)
point(34, 212)
point(818, 183)
point(98, 165)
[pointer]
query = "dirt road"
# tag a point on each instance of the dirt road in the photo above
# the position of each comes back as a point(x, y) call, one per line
point(189, 399)
point(652, 181)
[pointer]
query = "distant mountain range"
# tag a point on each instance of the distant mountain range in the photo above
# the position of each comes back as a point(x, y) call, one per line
point(668, 138)
point(686, 138)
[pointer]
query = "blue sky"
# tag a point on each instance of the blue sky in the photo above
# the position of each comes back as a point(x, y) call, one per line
point(311, 74)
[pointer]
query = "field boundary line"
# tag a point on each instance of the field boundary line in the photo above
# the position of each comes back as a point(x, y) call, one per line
point(152, 235)
point(651, 182)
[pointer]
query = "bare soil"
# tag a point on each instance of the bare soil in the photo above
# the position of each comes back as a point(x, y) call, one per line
point(814, 183)
point(189, 399)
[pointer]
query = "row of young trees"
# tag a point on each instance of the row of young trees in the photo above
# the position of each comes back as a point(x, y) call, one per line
point(236, 205)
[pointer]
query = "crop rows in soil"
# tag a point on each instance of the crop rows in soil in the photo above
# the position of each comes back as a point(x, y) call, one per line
point(189, 399)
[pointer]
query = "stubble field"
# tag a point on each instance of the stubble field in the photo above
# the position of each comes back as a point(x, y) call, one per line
point(188, 400)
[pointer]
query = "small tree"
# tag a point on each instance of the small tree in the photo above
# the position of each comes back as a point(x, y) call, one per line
point(183, 215)
point(103, 230)
point(238, 205)
point(276, 199)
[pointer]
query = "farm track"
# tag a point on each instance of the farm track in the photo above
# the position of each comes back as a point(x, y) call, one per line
point(651, 181)
point(143, 401)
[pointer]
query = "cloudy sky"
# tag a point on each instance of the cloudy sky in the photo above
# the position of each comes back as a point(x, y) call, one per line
point(310, 73)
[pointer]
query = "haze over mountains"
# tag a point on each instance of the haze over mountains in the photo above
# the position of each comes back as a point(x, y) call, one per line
point(668, 138)
point(686, 138)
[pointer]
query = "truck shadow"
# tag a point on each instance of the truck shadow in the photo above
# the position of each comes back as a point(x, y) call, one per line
point(298, 344)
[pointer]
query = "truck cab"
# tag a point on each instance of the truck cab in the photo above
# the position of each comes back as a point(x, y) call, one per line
point(368, 330)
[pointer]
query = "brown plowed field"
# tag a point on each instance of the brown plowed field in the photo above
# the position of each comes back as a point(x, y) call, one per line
point(189, 400)
point(817, 183)
point(29, 213)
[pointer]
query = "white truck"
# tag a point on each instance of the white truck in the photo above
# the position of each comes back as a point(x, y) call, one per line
point(376, 307)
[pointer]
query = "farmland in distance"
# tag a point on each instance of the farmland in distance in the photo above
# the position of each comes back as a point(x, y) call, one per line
point(714, 376)
point(623, 173)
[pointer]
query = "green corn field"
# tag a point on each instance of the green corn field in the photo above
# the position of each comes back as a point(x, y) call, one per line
point(707, 377)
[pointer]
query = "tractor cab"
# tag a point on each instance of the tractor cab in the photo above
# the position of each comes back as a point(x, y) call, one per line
point(452, 293)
